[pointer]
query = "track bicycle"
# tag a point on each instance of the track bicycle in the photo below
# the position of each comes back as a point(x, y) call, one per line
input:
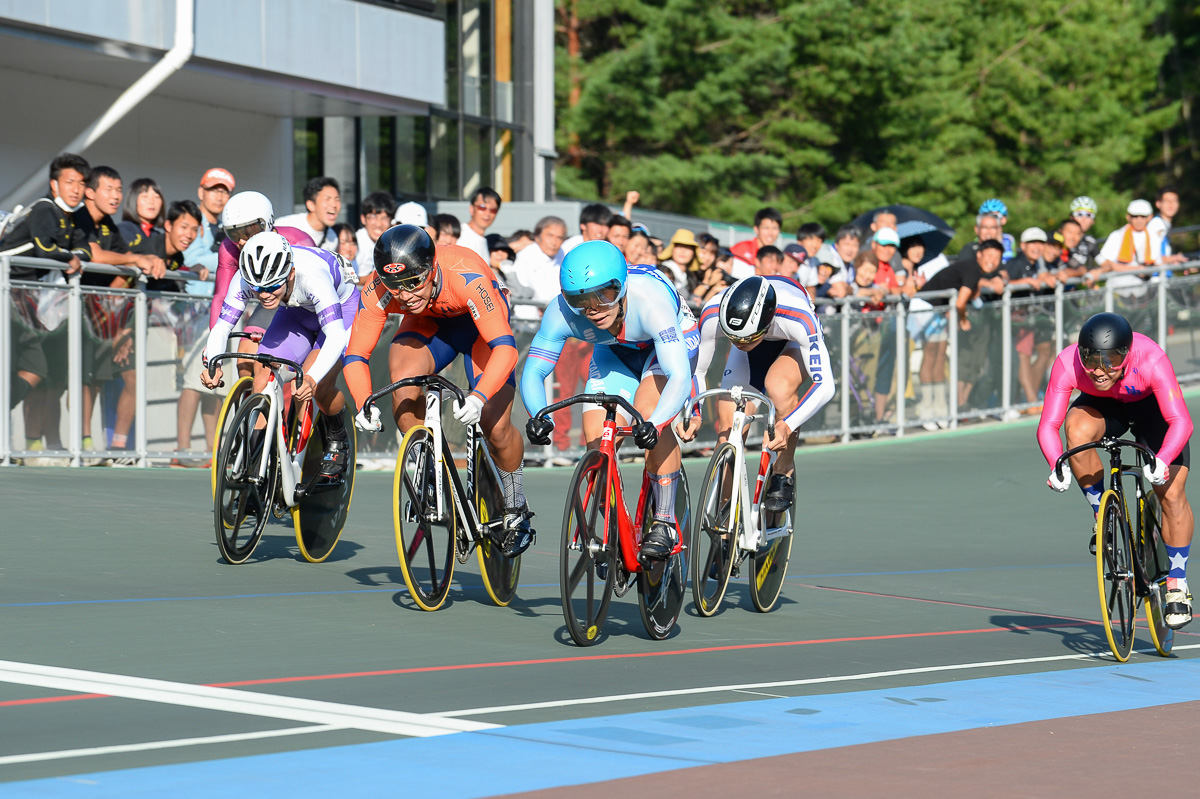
point(1131, 560)
point(731, 524)
point(267, 465)
point(436, 520)
point(599, 553)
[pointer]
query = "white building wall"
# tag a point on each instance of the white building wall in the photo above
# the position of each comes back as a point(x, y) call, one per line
point(172, 141)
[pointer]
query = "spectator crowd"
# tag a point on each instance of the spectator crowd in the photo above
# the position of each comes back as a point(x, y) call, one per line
point(174, 248)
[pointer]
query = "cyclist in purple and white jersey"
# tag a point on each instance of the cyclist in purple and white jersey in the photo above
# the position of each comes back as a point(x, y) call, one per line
point(317, 298)
point(777, 344)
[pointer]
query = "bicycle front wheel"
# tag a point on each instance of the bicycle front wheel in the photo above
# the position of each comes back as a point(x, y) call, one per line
point(662, 584)
point(715, 536)
point(586, 564)
point(500, 574)
point(424, 541)
point(1153, 556)
point(229, 408)
point(1114, 575)
point(242, 503)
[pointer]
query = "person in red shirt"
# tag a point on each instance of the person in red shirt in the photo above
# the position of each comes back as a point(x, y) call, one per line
point(767, 224)
point(452, 305)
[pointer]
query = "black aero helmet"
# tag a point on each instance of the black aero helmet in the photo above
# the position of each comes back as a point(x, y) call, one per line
point(404, 257)
point(1104, 340)
point(747, 308)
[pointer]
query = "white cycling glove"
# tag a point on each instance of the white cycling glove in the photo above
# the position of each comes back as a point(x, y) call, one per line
point(469, 411)
point(1059, 485)
point(368, 420)
point(1159, 474)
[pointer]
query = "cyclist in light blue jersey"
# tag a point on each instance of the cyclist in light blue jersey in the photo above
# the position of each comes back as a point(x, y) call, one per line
point(646, 344)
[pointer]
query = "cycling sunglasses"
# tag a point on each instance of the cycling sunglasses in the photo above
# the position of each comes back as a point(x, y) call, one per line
point(1109, 360)
point(242, 233)
point(749, 339)
point(403, 278)
point(272, 288)
point(600, 299)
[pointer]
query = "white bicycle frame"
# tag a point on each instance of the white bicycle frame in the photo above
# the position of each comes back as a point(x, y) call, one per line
point(751, 536)
point(290, 466)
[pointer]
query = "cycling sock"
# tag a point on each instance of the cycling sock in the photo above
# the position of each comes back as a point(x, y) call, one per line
point(33, 443)
point(664, 486)
point(1092, 495)
point(120, 442)
point(1178, 557)
point(20, 388)
point(514, 490)
point(335, 426)
point(87, 443)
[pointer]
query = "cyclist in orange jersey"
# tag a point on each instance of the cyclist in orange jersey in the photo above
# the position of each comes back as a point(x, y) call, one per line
point(452, 305)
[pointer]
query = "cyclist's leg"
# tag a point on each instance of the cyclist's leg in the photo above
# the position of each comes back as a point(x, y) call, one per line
point(782, 383)
point(412, 354)
point(737, 373)
point(1088, 420)
point(607, 374)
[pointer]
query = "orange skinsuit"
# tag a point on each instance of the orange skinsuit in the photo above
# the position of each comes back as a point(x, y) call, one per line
point(467, 315)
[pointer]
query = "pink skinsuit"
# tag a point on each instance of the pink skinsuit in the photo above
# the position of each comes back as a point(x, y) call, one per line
point(227, 265)
point(1147, 369)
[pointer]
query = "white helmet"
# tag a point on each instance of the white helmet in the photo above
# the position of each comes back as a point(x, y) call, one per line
point(246, 214)
point(266, 260)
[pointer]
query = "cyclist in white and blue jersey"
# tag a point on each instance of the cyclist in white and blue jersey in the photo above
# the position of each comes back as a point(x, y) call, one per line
point(777, 343)
point(646, 344)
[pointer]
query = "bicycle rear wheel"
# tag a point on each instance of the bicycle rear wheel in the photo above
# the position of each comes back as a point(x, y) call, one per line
point(1153, 556)
point(500, 574)
point(715, 534)
point(229, 408)
point(424, 542)
point(662, 584)
point(586, 590)
point(242, 504)
point(1114, 576)
point(768, 564)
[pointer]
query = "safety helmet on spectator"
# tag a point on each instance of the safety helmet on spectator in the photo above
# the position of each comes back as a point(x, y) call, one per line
point(747, 308)
point(266, 261)
point(1083, 205)
point(593, 275)
point(405, 257)
point(994, 206)
point(1104, 341)
point(246, 214)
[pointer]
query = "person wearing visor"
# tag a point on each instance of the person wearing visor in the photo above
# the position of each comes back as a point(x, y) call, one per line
point(315, 298)
point(645, 349)
point(1126, 382)
point(452, 304)
point(777, 343)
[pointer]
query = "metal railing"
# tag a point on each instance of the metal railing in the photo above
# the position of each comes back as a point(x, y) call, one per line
point(875, 355)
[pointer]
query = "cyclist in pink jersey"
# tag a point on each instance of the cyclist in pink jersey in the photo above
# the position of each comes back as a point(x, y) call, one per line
point(246, 213)
point(1126, 382)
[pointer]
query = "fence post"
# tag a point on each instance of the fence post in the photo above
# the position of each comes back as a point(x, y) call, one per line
point(952, 389)
point(6, 356)
point(901, 367)
point(845, 372)
point(1059, 288)
point(1108, 298)
point(139, 342)
point(1006, 352)
point(1162, 310)
point(75, 369)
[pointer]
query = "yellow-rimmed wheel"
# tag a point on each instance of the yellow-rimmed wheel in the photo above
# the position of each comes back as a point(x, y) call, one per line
point(586, 562)
point(233, 400)
point(714, 539)
point(320, 516)
point(1114, 576)
point(424, 536)
point(500, 574)
point(1154, 561)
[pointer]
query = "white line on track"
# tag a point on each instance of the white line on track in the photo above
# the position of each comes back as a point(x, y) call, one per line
point(64, 754)
point(874, 675)
point(393, 722)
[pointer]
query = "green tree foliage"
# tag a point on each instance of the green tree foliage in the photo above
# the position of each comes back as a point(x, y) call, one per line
point(827, 108)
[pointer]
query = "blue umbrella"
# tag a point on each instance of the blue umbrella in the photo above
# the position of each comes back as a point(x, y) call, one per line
point(914, 223)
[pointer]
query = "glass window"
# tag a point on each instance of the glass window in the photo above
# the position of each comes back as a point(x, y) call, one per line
point(412, 144)
point(449, 12)
point(476, 57)
point(378, 154)
point(444, 157)
point(476, 157)
point(502, 157)
point(308, 145)
point(504, 60)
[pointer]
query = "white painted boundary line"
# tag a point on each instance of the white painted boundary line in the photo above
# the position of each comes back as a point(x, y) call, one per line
point(393, 722)
point(599, 700)
point(64, 754)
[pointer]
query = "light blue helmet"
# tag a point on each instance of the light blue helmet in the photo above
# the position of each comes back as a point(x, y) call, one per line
point(994, 206)
point(593, 274)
